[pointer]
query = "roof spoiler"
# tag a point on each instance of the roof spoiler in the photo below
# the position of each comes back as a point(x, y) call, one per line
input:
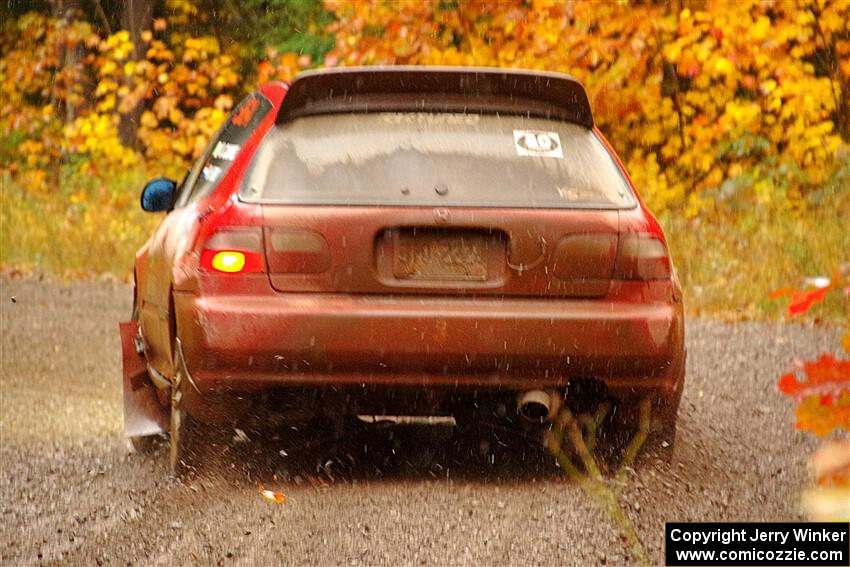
point(481, 90)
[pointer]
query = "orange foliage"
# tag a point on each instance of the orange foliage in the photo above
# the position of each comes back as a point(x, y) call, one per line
point(824, 395)
point(823, 406)
point(180, 92)
point(38, 83)
point(283, 67)
point(706, 103)
point(816, 291)
point(802, 301)
point(724, 98)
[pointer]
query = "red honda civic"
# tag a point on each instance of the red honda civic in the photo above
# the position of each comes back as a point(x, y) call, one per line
point(403, 241)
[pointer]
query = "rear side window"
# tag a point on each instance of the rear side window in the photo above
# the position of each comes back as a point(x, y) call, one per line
point(225, 146)
point(435, 159)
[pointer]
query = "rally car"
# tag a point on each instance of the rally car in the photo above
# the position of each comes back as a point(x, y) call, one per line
point(403, 240)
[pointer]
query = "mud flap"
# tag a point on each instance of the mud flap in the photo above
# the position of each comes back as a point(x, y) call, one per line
point(143, 414)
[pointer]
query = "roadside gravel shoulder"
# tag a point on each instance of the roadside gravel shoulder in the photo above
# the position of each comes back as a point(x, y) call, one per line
point(71, 493)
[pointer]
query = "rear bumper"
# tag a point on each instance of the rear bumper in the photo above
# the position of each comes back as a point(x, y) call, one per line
point(254, 342)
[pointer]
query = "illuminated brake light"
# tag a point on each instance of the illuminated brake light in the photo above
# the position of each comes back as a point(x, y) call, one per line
point(231, 261)
point(234, 250)
point(642, 256)
point(228, 261)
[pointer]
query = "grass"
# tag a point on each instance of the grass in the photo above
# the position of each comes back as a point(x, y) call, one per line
point(728, 265)
point(83, 229)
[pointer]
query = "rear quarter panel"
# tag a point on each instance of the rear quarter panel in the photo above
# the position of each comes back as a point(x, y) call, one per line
point(168, 259)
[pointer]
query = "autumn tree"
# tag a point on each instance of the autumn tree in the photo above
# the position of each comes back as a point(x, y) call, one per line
point(712, 104)
point(705, 103)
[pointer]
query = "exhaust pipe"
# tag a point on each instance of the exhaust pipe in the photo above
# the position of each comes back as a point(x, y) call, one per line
point(538, 406)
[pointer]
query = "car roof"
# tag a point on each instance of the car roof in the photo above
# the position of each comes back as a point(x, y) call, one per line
point(483, 90)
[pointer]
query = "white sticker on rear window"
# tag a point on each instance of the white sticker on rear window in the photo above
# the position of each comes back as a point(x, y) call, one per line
point(225, 151)
point(211, 172)
point(538, 143)
point(577, 194)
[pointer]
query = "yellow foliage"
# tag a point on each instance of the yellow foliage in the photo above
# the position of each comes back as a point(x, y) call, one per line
point(699, 102)
point(170, 88)
point(687, 97)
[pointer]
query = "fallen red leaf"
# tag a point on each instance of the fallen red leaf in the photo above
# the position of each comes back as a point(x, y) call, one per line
point(802, 301)
point(789, 385)
point(825, 377)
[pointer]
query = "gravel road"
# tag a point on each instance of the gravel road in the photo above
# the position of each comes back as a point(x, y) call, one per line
point(72, 493)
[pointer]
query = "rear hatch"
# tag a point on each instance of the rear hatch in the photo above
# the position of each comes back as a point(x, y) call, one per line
point(437, 202)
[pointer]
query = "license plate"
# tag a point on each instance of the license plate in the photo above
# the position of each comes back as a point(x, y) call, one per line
point(443, 256)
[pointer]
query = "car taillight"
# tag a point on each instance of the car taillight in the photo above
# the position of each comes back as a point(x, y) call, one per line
point(297, 251)
point(582, 257)
point(642, 256)
point(233, 251)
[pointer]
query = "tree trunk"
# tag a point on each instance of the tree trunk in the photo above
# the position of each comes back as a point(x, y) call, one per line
point(828, 54)
point(71, 56)
point(843, 110)
point(136, 17)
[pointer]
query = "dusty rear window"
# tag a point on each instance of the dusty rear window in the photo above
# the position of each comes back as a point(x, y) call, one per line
point(430, 159)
